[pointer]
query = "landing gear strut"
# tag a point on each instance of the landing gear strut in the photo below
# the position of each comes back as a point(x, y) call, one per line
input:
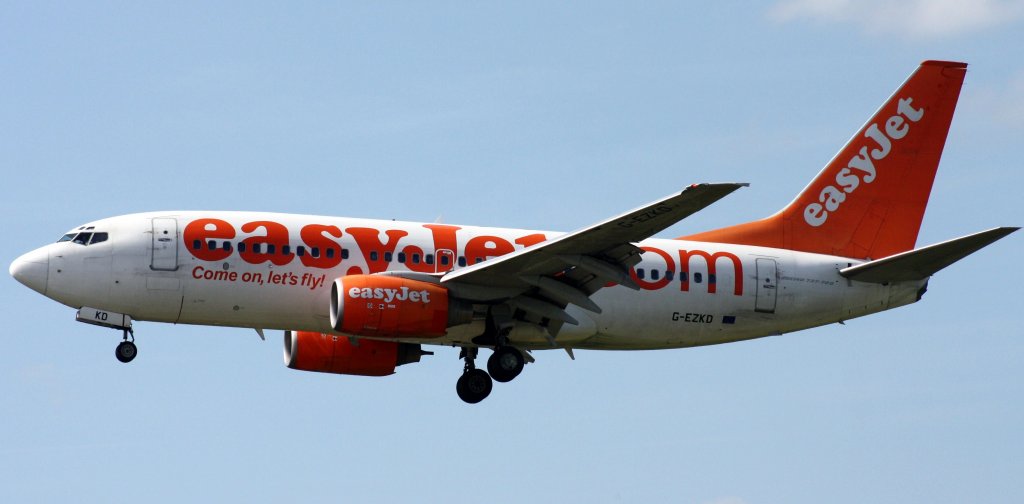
point(126, 350)
point(475, 384)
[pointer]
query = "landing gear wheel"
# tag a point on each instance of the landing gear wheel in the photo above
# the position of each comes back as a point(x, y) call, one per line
point(474, 386)
point(126, 351)
point(505, 363)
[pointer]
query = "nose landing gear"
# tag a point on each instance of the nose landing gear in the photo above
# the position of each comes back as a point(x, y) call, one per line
point(126, 350)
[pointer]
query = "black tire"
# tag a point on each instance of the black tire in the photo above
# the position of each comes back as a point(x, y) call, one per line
point(126, 351)
point(474, 386)
point(505, 364)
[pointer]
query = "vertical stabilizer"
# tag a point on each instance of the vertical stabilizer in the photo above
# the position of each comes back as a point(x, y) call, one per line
point(869, 200)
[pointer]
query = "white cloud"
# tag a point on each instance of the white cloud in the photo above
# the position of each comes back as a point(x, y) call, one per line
point(911, 18)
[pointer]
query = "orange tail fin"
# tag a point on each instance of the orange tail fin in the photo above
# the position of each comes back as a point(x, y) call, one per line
point(869, 200)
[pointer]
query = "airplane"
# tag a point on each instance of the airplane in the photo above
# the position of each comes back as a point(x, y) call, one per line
point(362, 297)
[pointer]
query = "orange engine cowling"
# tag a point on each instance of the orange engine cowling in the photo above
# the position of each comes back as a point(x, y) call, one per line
point(326, 353)
point(394, 307)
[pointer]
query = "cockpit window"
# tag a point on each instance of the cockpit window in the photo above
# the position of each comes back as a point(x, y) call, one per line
point(84, 238)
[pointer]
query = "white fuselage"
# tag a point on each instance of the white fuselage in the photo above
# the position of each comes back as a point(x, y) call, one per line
point(152, 267)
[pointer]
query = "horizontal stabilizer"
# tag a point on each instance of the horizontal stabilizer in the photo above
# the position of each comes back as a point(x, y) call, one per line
point(923, 262)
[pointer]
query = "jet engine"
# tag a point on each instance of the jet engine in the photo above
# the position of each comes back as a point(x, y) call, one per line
point(326, 353)
point(393, 307)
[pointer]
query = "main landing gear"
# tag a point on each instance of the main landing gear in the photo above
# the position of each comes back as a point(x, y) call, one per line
point(126, 350)
point(505, 363)
point(475, 384)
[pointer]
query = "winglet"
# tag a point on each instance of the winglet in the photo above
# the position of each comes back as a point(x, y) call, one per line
point(923, 262)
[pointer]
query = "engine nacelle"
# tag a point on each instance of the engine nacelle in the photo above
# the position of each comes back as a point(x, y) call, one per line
point(326, 353)
point(394, 307)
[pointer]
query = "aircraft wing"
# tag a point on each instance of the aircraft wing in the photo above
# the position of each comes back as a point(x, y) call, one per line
point(571, 267)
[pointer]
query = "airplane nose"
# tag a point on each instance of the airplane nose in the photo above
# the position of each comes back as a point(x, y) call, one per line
point(32, 269)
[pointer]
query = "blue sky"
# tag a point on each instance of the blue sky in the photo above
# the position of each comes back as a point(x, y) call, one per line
point(521, 115)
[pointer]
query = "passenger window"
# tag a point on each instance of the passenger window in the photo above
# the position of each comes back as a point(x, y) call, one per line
point(227, 246)
point(445, 260)
point(640, 273)
point(241, 246)
point(401, 257)
point(300, 251)
point(197, 244)
point(670, 274)
point(212, 245)
point(429, 258)
point(373, 255)
point(655, 274)
point(415, 258)
point(286, 249)
point(388, 256)
point(329, 252)
point(270, 248)
point(462, 260)
point(711, 278)
point(697, 278)
point(344, 253)
point(315, 251)
point(98, 238)
point(682, 276)
point(256, 249)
